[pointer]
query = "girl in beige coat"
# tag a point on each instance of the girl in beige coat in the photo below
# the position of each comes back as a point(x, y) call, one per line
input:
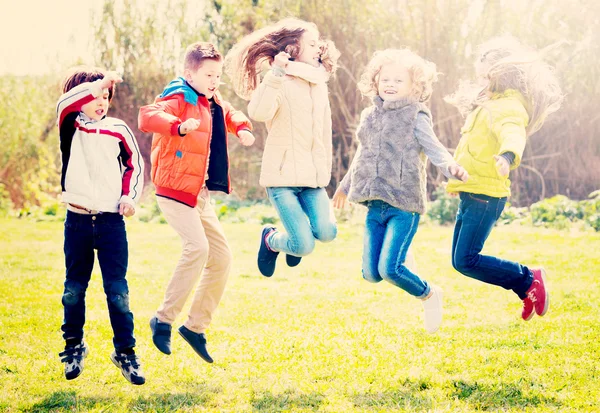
point(292, 100)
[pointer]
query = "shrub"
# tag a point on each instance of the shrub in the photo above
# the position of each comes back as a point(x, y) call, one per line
point(445, 207)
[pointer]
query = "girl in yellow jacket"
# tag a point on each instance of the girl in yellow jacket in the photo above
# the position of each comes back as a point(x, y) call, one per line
point(292, 100)
point(519, 92)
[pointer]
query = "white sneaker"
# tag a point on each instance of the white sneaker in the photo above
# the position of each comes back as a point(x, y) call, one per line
point(433, 310)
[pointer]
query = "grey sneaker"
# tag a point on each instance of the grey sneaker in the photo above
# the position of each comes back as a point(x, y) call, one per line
point(130, 367)
point(73, 358)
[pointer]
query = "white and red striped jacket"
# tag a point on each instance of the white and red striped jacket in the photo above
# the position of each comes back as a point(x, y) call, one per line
point(101, 161)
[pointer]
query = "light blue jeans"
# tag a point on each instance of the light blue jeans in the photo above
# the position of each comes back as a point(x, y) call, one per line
point(306, 215)
point(389, 232)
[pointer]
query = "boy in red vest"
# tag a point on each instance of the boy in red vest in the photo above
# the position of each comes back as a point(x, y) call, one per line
point(189, 157)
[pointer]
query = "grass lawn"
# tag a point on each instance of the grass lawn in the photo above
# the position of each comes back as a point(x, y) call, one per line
point(313, 338)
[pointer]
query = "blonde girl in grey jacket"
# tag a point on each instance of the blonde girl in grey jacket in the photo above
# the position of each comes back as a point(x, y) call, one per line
point(292, 100)
point(388, 172)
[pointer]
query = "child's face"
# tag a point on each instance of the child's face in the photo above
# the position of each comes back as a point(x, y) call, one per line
point(394, 82)
point(207, 78)
point(97, 108)
point(310, 50)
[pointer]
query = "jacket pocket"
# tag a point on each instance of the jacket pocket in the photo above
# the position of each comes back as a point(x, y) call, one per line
point(485, 168)
point(282, 163)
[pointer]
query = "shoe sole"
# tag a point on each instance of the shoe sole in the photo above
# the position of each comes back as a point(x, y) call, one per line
point(547, 302)
point(187, 341)
point(116, 363)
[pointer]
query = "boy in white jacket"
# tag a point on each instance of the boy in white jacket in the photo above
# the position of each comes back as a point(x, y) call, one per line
point(102, 179)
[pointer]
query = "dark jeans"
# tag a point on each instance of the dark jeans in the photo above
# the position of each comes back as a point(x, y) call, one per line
point(106, 234)
point(389, 232)
point(477, 215)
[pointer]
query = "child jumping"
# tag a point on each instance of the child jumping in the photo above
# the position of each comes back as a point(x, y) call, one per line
point(293, 101)
point(519, 91)
point(190, 123)
point(101, 180)
point(388, 172)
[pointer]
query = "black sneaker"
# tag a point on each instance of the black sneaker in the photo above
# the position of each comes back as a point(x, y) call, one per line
point(73, 358)
point(130, 367)
point(266, 258)
point(197, 341)
point(292, 260)
point(161, 335)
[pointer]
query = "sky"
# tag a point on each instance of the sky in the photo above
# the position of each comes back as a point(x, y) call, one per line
point(39, 37)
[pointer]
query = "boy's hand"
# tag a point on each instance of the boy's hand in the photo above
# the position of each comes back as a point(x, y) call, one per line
point(339, 199)
point(188, 126)
point(246, 137)
point(458, 172)
point(126, 209)
point(109, 79)
point(282, 59)
point(502, 165)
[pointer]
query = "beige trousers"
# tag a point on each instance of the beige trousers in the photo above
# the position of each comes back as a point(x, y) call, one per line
point(204, 249)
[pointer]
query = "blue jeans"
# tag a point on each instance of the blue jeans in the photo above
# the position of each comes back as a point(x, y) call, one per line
point(389, 232)
point(477, 215)
point(306, 215)
point(106, 234)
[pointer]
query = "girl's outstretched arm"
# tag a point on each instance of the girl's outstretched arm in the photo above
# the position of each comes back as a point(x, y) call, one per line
point(433, 148)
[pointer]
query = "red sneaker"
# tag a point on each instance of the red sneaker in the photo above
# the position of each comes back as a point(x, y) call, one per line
point(537, 293)
point(527, 312)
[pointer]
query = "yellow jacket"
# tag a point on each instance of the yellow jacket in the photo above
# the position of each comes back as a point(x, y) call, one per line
point(496, 127)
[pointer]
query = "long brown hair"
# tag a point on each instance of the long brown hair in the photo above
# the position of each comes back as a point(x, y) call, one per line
point(244, 61)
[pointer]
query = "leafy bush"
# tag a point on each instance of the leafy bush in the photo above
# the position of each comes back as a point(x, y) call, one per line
point(445, 207)
point(560, 212)
point(513, 214)
point(555, 211)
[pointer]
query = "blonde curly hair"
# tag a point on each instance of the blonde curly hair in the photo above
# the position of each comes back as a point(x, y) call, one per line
point(512, 65)
point(422, 72)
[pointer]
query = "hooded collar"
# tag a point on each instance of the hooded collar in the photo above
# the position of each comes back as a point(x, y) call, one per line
point(181, 86)
point(307, 72)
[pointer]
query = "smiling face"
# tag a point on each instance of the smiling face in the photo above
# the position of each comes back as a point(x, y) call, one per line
point(394, 82)
point(97, 108)
point(310, 50)
point(206, 78)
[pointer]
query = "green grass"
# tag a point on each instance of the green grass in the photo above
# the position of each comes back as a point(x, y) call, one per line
point(312, 338)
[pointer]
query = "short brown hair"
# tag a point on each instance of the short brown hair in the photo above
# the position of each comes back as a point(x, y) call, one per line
point(82, 74)
point(197, 52)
